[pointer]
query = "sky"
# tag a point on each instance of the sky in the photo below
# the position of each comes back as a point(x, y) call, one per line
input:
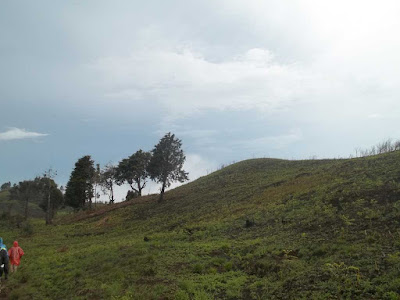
point(232, 79)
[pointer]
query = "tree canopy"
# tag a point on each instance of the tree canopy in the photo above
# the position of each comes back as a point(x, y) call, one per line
point(26, 191)
point(41, 190)
point(166, 164)
point(79, 190)
point(5, 186)
point(133, 170)
point(51, 197)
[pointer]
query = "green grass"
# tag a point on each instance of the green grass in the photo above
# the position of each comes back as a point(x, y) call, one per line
point(258, 229)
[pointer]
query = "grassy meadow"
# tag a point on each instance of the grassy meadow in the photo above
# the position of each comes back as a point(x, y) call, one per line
point(257, 229)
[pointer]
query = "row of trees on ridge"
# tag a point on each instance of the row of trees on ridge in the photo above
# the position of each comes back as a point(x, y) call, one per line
point(164, 165)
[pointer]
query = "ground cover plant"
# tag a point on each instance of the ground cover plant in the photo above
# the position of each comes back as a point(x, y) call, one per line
point(257, 229)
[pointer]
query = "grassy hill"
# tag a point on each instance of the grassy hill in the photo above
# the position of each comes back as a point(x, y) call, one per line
point(258, 229)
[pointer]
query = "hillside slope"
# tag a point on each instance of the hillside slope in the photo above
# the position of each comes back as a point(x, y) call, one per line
point(258, 229)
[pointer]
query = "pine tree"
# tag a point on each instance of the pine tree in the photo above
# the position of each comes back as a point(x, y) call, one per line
point(79, 190)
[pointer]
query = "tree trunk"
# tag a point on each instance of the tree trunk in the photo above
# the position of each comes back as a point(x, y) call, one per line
point(134, 189)
point(26, 208)
point(95, 195)
point(112, 193)
point(139, 188)
point(161, 199)
point(48, 213)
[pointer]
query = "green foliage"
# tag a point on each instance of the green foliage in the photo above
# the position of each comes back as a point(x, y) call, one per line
point(5, 186)
point(42, 192)
point(12, 207)
point(51, 197)
point(181, 295)
point(167, 161)
point(131, 195)
point(79, 190)
point(27, 228)
point(198, 268)
point(27, 191)
point(133, 170)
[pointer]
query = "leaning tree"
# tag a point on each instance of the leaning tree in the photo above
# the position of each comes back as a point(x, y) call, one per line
point(166, 163)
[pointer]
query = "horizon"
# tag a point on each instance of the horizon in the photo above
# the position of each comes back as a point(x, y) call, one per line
point(232, 80)
point(153, 188)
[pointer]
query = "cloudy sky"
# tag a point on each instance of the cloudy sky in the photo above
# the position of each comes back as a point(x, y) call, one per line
point(232, 79)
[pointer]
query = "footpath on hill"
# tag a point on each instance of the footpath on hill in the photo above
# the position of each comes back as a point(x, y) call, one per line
point(3, 290)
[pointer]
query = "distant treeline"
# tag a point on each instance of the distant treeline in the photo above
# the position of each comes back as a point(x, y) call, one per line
point(383, 147)
point(164, 164)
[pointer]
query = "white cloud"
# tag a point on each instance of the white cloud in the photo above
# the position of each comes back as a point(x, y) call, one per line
point(339, 70)
point(375, 116)
point(198, 166)
point(272, 142)
point(185, 82)
point(19, 134)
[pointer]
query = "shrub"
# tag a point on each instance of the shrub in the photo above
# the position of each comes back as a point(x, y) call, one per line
point(198, 268)
point(228, 266)
point(181, 295)
point(27, 228)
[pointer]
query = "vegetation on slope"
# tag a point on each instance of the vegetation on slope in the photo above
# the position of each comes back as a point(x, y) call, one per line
point(13, 207)
point(258, 229)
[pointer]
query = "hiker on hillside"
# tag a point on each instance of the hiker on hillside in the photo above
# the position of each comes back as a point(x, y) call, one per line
point(2, 245)
point(15, 253)
point(3, 260)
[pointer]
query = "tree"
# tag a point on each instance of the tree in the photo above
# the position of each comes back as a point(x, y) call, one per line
point(131, 195)
point(26, 191)
point(5, 186)
point(107, 179)
point(96, 182)
point(133, 170)
point(79, 190)
point(51, 196)
point(51, 199)
point(167, 162)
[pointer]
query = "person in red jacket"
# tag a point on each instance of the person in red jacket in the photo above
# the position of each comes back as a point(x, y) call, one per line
point(15, 253)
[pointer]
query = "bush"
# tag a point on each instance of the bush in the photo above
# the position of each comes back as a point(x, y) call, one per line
point(181, 295)
point(198, 268)
point(228, 266)
point(27, 228)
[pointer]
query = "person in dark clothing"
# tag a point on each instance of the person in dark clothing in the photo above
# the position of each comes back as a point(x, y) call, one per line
point(3, 260)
